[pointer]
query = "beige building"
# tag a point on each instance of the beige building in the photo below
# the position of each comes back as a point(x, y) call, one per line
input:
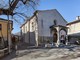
point(5, 33)
point(74, 30)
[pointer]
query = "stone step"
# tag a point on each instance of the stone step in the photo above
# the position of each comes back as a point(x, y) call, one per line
point(3, 52)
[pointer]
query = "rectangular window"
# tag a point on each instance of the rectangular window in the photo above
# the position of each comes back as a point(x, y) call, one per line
point(42, 23)
point(0, 27)
point(32, 26)
point(26, 28)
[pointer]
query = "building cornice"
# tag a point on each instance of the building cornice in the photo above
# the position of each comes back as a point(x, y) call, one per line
point(73, 22)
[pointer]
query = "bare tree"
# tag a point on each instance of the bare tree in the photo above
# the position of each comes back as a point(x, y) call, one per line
point(12, 7)
point(15, 8)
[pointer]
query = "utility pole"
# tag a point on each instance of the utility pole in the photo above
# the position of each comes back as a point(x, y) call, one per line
point(10, 11)
point(8, 30)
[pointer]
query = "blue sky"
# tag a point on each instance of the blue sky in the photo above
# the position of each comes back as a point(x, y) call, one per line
point(69, 9)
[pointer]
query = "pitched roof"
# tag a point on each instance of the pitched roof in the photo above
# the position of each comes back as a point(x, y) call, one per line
point(1, 19)
point(73, 22)
point(26, 21)
point(41, 11)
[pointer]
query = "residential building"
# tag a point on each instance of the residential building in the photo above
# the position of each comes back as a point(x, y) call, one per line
point(44, 26)
point(74, 30)
point(5, 34)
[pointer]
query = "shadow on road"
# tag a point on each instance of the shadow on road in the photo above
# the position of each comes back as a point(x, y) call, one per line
point(10, 56)
point(23, 49)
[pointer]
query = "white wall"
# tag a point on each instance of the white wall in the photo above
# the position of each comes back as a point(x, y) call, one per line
point(33, 30)
point(30, 30)
point(48, 18)
point(74, 28)
point(26, 38)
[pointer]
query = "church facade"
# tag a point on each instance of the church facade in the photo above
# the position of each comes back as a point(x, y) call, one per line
point(45, 26)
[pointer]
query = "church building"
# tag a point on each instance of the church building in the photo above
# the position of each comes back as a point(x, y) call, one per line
point(45, 26)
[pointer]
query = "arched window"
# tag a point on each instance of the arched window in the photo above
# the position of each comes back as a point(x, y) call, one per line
point(55, 22)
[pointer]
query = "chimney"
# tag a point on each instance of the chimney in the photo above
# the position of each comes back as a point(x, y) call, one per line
point(78, 18)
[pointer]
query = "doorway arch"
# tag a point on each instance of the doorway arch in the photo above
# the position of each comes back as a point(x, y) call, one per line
point(63, 33)
point(55, 35)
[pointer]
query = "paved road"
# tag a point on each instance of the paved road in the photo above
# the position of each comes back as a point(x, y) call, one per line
point(10, 56)
point(26, 53)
